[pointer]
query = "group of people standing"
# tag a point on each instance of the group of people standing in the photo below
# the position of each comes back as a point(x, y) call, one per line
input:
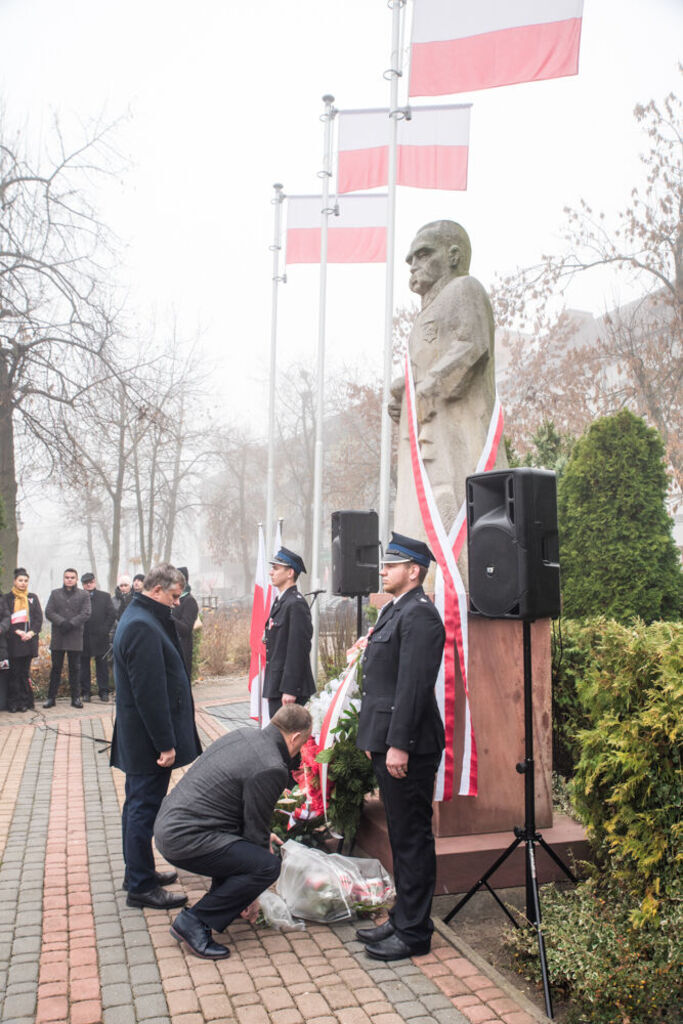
point(83, 622)
point(216, 819)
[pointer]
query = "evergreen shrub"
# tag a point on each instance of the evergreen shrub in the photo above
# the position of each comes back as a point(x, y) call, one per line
point(615, 943)
point(617, 553)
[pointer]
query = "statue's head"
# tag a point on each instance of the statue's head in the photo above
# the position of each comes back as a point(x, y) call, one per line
point(440, 250)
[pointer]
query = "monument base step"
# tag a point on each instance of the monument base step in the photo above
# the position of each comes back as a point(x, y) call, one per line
point(462, 860)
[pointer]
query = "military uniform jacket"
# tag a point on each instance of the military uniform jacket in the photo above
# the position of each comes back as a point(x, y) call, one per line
point(288, 647)
point(154, 706)
point(400, 666)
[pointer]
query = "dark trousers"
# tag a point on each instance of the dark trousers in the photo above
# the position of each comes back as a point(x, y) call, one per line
point(101, 674)
point(239, 872)
point(408, 807)
point(74, 673)
point(144, 794)
point(19, 693)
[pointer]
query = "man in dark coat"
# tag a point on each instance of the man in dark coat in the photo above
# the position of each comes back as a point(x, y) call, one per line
point(216, 822)
point(24, 622)
point(288, 677)
point(68, 609)
point(185, 616)
point(154, 729)
point(96, 638)
point(401, 729)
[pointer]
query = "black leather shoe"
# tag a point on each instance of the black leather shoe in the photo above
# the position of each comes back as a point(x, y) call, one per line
point(104, 697)
point(78, 703)
point(382, 931)
point(194, 933)
point(86, 698)
point(160, 877)
point(157, 898)
point(49, 703)
point(394, 948)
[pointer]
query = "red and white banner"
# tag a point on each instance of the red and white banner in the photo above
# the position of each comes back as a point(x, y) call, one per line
point(460, 47)
point(432, 148)
point(259, 613)
point(357, 234)
point(450, 599)
point(338, 704)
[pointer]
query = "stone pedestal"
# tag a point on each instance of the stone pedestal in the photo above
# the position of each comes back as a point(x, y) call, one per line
point(496, 685)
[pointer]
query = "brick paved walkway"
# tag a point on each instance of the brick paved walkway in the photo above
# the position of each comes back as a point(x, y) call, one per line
point(72, 952)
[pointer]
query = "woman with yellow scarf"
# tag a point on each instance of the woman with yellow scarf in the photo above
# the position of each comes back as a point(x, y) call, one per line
point(26, 621)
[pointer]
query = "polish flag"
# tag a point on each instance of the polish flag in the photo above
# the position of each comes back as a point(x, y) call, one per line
point(357, 234)
point(432, 148)
point(259, 613)
point(459, 47)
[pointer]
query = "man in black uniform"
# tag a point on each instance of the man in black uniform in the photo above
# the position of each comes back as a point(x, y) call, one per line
point(288, 677)
point(401, 729)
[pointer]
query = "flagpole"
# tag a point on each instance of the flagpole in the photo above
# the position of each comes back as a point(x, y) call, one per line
point(276, 249)
point(325, 175)
point(393, 74)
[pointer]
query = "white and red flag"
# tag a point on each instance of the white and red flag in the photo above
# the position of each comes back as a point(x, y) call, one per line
point(357, 234)
point(259, 612)
point(432, 148)
point(460, 47)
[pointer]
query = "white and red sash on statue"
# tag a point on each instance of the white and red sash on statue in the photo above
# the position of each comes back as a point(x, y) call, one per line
point(450, 597)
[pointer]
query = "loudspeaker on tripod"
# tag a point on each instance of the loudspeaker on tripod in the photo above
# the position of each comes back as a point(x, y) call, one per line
point(355, 553)
point(513, 544)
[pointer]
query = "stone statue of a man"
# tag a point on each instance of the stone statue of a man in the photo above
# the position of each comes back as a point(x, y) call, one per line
point(451, 349)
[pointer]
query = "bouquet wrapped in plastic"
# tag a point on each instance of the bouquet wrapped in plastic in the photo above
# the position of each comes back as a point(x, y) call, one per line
point(329, 887)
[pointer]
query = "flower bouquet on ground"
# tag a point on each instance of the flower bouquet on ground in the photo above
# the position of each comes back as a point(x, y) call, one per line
point(328, 887)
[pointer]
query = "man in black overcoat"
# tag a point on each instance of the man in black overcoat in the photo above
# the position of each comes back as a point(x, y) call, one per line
point(401, 729)
point(67, 609)
point(288, 677)
point(96, 638)
point(185, 616)
point(154, 730)
point(216, 822)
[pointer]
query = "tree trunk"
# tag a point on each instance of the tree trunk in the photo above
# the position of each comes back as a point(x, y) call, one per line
point(9, 539)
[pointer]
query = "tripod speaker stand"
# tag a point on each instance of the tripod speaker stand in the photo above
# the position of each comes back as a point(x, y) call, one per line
point(526, 834)
point(514, 573)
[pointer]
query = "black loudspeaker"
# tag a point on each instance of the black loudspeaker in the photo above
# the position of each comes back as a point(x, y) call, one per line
point(513, 544)
point(355, 553)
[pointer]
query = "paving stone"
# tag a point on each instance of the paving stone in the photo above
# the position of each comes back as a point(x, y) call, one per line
point(436, 1002)
point(21, 1005)
point(119, 1015)
point(451, 1016)
point(117, 994)
point(151, 1007)
point(23, 972)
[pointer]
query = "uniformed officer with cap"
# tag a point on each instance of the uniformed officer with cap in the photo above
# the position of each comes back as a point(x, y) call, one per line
point(288, 677)
point(401, 729)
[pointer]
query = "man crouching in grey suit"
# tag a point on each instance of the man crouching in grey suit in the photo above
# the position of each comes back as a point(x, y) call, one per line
point(216, 822)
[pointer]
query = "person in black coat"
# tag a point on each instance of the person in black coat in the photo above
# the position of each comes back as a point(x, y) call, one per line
point(216, 822)
point(154, 730)
point(288, 678)
point(67, 609)
point(401, 729)
point(96, 638)
point(185, 616)
point(123, 595)
point(25, 621)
